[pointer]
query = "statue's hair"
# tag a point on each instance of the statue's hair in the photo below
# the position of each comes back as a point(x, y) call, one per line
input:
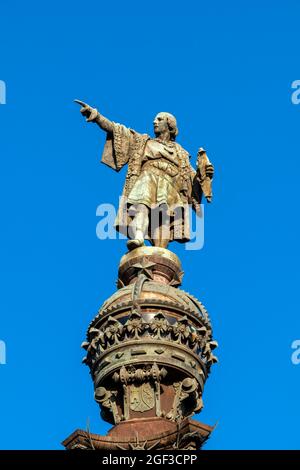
point(172, 123)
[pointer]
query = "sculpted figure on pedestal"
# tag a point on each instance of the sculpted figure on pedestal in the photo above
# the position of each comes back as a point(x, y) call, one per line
point(160, 182)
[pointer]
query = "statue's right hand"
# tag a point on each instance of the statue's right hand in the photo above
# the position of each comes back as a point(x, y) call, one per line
point(88, 111)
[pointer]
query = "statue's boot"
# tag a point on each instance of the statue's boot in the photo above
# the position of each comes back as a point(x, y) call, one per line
point(135, 243)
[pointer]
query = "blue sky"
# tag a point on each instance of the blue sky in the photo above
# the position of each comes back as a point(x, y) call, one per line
point(225, 70)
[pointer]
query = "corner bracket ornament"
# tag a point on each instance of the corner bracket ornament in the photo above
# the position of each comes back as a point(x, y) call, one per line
point(107, 399)
point(150, 347)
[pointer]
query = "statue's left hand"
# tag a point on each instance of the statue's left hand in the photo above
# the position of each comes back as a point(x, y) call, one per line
point(209, 170)
point(204, 166)
point(88, 111)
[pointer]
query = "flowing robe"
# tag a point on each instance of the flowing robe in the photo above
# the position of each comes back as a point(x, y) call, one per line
point(158, 174)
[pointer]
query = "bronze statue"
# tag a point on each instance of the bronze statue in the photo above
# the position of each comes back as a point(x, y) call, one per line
point(160, 182)
point(150, 347)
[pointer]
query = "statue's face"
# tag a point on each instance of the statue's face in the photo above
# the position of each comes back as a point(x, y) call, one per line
point(160, 123)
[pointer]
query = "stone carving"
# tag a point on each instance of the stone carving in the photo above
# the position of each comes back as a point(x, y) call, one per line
point(142, 397)
point(135, 328)
point(113, 331)
point(137, 445)
point(141, 387)
point(156, 293)
point(133, 374)
point(198, 338)
point(159, 327)
point(177, 279)
point(189, 441)
point(185, 390)
point(207, 354)
point(107, 399)
point(144, 267)
point(135, 325)
point(188, 435)
point(150, 347)
point(160, 182)
point(181, 330)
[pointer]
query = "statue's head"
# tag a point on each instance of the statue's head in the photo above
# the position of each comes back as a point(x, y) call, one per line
point(164, 121)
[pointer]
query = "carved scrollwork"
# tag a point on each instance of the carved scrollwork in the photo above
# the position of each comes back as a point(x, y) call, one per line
point(107, 400)
point(189, 441)
point(185, 391)
point(132, 374)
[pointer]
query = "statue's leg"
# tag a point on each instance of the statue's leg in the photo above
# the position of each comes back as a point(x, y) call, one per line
point(139, 227)
point(161, 236)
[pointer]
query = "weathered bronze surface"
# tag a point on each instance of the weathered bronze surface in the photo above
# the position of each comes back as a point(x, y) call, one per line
point(160, 182)
point(150, 347)
point(143, 434)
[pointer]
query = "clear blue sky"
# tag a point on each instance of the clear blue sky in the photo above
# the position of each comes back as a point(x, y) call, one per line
point(225, 70)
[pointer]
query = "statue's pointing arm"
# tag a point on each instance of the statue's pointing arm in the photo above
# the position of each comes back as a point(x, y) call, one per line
point(119, 139)
point(92, 115)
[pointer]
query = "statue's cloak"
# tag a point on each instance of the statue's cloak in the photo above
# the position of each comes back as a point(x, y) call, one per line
point(126, 146)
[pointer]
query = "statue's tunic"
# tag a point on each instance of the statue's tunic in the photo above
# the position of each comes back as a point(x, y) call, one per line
point(159, 173)
point(159, 182)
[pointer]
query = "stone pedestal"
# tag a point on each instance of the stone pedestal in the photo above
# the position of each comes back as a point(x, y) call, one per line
point(149, 351)
point(143, 434)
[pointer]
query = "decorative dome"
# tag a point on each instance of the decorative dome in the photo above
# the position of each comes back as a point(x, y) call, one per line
point(151, 338)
